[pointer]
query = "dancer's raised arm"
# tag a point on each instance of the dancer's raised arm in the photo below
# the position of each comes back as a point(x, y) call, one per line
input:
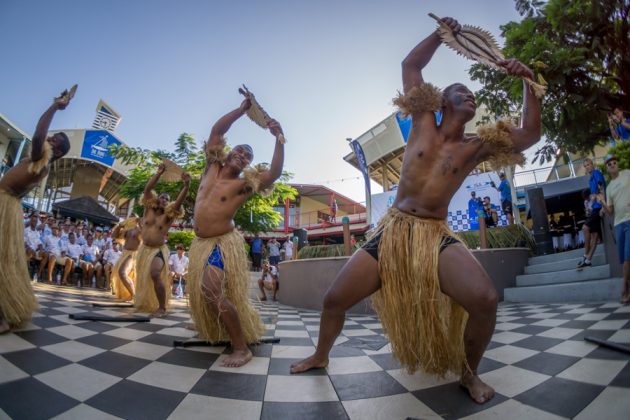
point(267, 178)
point(184, 192)
point(224, 123)
point(43, 125)
point(148, 190)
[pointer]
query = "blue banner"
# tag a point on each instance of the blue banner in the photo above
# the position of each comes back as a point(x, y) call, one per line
point(405, 125)
point(96, 145)
point(363, 167)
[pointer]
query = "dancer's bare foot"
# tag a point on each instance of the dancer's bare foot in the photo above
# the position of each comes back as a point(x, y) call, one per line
point(625, 299)
point(4, 326)
point(308, 363)
point(477, 389)
point(237, 358)
point(160, 313)
point(264, 298)
point(191, 327)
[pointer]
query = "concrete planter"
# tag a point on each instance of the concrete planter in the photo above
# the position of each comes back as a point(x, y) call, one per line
point(303, 283)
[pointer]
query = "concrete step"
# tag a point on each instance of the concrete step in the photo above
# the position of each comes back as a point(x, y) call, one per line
point(583, 291)
point(598, 259)
point(560, 256)
point(565, 276)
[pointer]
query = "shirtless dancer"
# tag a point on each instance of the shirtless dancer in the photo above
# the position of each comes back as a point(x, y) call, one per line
point(123, 273)
point(218, 274)
point(17, 300)
point(152, 257)
point(413, 307)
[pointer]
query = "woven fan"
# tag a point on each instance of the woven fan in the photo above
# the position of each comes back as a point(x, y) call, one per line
point(477, 44)
point(173, 172)
point(256, 112)
point(69, 94)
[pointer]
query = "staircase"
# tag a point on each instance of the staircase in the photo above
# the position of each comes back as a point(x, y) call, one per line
point(556, 278)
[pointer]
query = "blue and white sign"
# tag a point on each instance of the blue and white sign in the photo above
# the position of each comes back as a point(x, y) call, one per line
point(96, 145)
point(404, 123)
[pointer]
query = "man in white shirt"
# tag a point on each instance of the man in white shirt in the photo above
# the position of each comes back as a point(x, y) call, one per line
point(110, 257)
point(82, 235)
point(178, 267)
point(274, 251)
point(53, 248)
point(73, 252)
point(269, 280)
point(90, 263)
point(288, 249)
point(34, 246)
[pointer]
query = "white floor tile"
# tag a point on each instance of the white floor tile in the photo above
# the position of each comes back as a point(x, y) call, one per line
point(509, 354)
point(203, 408)
point(291, 352)
point(10, 342)
point(612, 403)
point(146, 351)
point(593, 371)
point(560, 333)
point(622, 336)
point(573, 348)
point(511, 380)
point(609, 325)
point(512, 409)
point(299, 389)
point(419, 380)
point(73, 350)
point(508, 337)
point(167, 376)
point(71, 332)
point(256, 366)
point(77, 381)
point(348, 365)
point(83, 411)
point(390, 407)
point(9, 372)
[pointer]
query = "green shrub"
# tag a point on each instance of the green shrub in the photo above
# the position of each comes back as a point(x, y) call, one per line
point(501, 237)
point(183, 237)
point(322, 251)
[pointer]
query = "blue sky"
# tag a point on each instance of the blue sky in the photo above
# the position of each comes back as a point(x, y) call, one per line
point(327, 70)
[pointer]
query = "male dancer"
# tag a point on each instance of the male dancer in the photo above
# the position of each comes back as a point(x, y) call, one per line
point(422, 273)
point(17, 300)
point(152, 256)
point(123, 273)
point(218, 275)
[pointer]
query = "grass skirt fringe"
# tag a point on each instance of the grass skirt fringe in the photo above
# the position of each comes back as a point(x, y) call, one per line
point(145, 299)
point(425, 326)
point(17, 300)
point(235, 287)
point(120, 290)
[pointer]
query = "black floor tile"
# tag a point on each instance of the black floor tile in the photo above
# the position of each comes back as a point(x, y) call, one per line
point(160, 339)
point(618, 316)
point(623, 378)
point(538, 343)
point(606, 354)
point(231, 385)
point(582, 325)
point(99, 327)
point(193, 359)
point(303, 411)
point(547, 363)
point(451, 401)
point(30, 399)
point(50, 312)
point(488, 365)
point(601, 334)
point(132, 400)
point(386, 361)
point(294, 341)
point(530, 329)
point(45, 322)
point(41, 338)
point(261, 350)
point(560, 396)
point(35, 361)
point(115, 364)
point(345, 351)
point(290, 327)
point(146, 326)
point(365, 385)
point(103, 341)
point(282, 366)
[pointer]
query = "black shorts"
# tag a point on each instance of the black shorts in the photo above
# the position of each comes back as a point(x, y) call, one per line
point(371, 246)
point(506, 207)
point(594, 222)
point(256, 259)
point(159, 256)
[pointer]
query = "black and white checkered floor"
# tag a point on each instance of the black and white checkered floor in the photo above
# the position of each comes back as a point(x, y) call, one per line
point(537, 361)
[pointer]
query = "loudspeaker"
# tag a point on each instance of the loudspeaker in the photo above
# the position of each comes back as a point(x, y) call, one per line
point(538, 211)
point(302, 235)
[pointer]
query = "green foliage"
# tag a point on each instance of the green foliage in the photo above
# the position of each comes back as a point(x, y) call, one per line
point(580, 47)
point(501, 237)
point(256, 215)
point(182, 237)
point(622, 151)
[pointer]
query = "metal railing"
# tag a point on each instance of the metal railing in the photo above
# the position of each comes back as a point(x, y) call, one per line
point(552, 173)
point(320, 218)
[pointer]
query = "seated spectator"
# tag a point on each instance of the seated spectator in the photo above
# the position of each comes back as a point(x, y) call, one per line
point(53, 247)
point(72, 252)
point(110, 256)
point(178, 269)
point(34, 247)
point(89, 262)
point(269, 280)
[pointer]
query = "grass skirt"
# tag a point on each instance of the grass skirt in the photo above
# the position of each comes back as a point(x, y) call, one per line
point(424, 326)
point(17, 300)
point(145, 299)
point(235, 287)
point(120, 290)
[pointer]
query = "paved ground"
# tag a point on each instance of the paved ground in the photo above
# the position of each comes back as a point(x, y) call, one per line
point(537, 361)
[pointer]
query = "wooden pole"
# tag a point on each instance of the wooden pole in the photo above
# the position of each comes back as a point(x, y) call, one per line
point(347, 246)
point(483, 231)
